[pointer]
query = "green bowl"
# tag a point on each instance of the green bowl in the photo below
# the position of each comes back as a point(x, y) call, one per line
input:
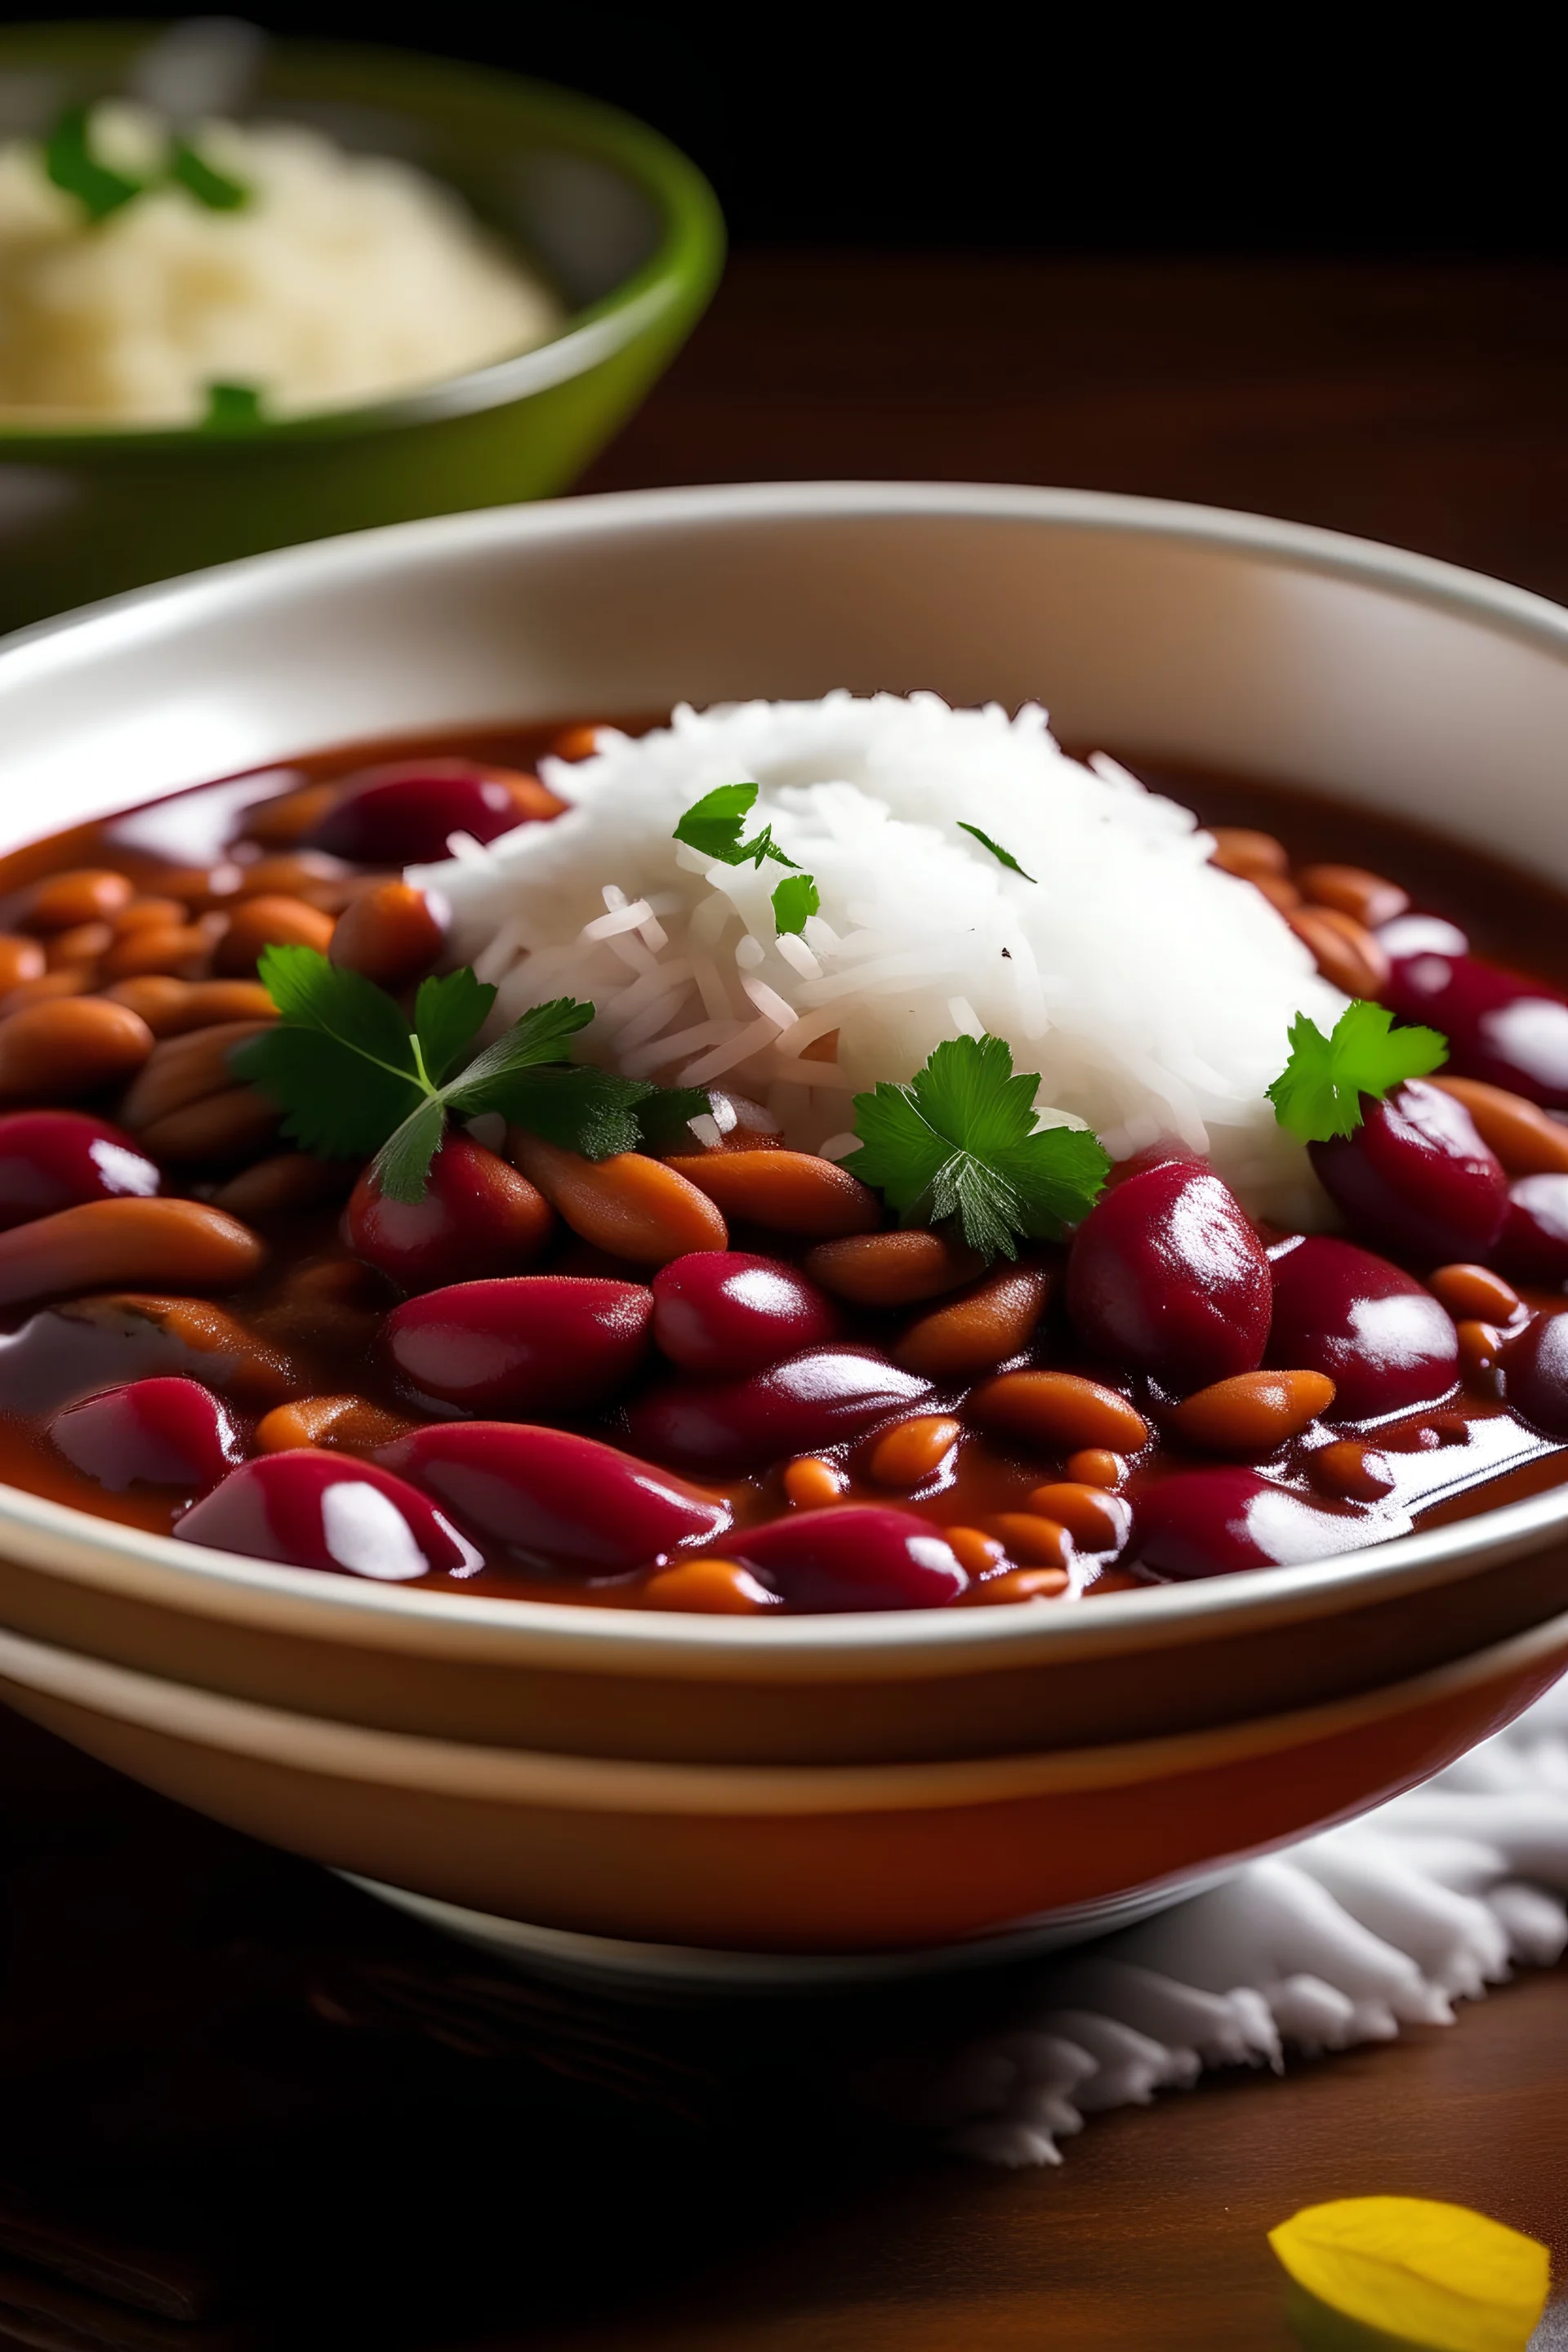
point(626, 228)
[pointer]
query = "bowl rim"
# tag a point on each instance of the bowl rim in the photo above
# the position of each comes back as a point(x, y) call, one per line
point(685, 261)
point(917, 1643)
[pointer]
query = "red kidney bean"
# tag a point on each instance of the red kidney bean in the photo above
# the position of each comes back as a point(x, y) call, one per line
point(327, 1510)
point(1384, 1342)
point(1502, 1028)
point(1416, 1176)
point(1535, 1373)
point(856, 1556)
point(728, 1312)
point(55, 1158)
point(564, 1501)
point(1533, 1243)
point(404, 813)
point(167, 1432)
point(529, 1343)
point(1214, 1522)
point(479, 1216)
point(1166, 1276)
point(806, 1402)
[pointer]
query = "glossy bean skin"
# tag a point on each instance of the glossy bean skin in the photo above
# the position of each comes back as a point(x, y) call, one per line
point(1351, 1472)
point(129, 1240)
point(1165, 1275)
point(912, 1451)
point(1533, 1243)
point(53, 1160)
point(262, 922)
point(178, 950)
point(160, 1433)
point(21, 958)
point(171, 1006)
point(530, 1343)
point(710, 1588)
point(1031, 1539)
point(1251, 1415)
point(1527, 1140)
point(185, 1069)
point(392, 934)
point(1344, 951)
point(1506, 1030)
point(1017, 1584)
point(1097, 1522)
point(479, 1216)
point(311, 1509)
point(1470, 1292)
point(807, 1402)
point(728, 1312)
point(898, 1269)
point(72, 1046)
point(1239, 849)
point(787, 1192)
point(564, 1501)
point(1416, 1176)
point(856, 1557)
point(1535, 1373)
point(629, 1205)
point(811, 1483)
point(1062, 1411)
point(1385, 1341)
point(1217, 1522)
point(82, 894)
point(404, 811)
point(1370, 900)
point(973, 1334)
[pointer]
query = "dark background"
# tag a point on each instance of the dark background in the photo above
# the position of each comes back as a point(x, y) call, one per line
point(1281, 130)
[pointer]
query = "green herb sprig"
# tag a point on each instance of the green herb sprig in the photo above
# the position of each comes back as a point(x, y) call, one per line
point(100, 189)
point(232, 407)
point(960, 1142)
point(714, 825)
point(1003, 856)
point(353, 1077)
point(1319, 1092)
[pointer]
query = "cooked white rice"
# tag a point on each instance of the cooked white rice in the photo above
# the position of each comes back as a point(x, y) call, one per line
point(1151, 992)
point(346, 278)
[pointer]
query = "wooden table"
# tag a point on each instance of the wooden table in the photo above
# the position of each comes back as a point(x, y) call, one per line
point(1420, 404)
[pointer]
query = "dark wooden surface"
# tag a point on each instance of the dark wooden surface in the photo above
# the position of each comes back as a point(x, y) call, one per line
point(1421, 405)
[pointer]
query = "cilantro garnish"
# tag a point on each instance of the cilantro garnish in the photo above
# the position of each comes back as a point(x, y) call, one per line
point(352, 1075)
point(714, 825)
point(959, 1140)
point(215, 189)
point(1318, 1094)
point(795, 899)
point(1003, 856)
point(229, 404)
point(70, 163)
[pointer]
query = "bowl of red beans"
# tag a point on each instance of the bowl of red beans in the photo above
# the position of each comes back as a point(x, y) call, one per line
point(673, 1271)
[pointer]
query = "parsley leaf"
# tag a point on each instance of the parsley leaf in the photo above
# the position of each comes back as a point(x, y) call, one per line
point(215, 189)
point(231, 404)
point(960, 1141)
point(70, 163)
point(714, 824)
point(796, 898)
point(1318, 1094)
point(1003, 856)
point(351, 1077)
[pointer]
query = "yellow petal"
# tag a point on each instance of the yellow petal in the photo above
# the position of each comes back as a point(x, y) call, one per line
point(1437, 2274)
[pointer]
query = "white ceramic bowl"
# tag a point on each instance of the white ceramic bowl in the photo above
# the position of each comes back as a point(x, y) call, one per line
point(1222, 639)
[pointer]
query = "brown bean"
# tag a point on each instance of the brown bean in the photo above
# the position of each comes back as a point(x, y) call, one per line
point(230, 1357)
point(167, 914)
point(183, 1069)
point(708, 1587)
point(1239, 850)
point(579, 743)
point(48, 988)
point(529, 797)
point(269, 921)
point(1481, 1356)
point(293, 875)
point(1355, 1472)
point(85, 894)
point(812, 1484)
point(171, 1006)
point(915, 1450)
point(233, 1124)
point(976, 1553)
point(82, 944)
point(1526, 1138)
point(1060, 1410)
point(72, 1046)
point(1367, 898)
point(891, 1269)
point(1252, 1414)
point(199, 889)
point(289, 1180)
point(157, 996)
point(1018, 1584)
point(1033, 1541)
point(288, 817)
point(392, 935)
point(126, 1239)
point(1279, 889)
point(787, 1192)
point(1342, 951)
point(20, 959)
point(1093, 1466)
point(1095, 1520)
point(1474, 1292)
point(979, 1329)
point(630, 1205)
point(183, 949)
point(352, 1423)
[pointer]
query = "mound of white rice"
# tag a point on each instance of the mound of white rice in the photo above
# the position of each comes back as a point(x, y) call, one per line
point(1151, 992)
point(345, 278)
